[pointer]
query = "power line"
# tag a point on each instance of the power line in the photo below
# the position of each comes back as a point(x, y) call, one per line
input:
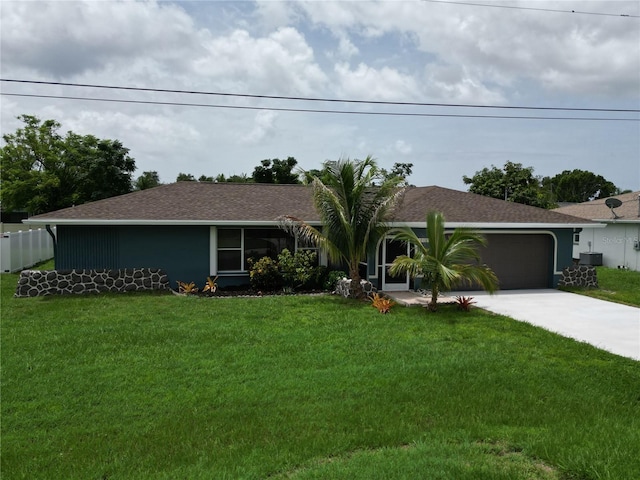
point(309, 110)
point(552, 10)
point(314, 99)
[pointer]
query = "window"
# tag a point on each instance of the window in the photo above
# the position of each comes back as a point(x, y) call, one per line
point(236, 245)
point(306, 246)
point(230, 249)
point(266, 242)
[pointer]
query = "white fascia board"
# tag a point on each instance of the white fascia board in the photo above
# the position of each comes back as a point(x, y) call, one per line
point(480, 225)
point(610, 221)
point(219, 223)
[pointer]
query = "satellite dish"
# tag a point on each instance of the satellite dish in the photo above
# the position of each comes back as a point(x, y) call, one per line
point(613, 203)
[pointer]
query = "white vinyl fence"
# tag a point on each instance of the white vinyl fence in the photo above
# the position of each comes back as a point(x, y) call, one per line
point(24, 249)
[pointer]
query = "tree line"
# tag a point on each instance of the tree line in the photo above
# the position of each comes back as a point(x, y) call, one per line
point(43, 170)
point(516, 183)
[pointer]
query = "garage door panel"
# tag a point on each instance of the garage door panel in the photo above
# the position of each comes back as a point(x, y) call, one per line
point(519, 260)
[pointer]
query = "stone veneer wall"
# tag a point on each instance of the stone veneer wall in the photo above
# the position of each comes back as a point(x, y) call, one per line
point(343, 285)
point(33, 283)
point(579, 276)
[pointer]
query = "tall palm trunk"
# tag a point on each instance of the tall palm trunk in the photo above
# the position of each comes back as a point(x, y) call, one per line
point(433, 304)
point(355, 289)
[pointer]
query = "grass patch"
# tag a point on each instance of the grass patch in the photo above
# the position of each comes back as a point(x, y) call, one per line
point(159, 386)
point(615, 285)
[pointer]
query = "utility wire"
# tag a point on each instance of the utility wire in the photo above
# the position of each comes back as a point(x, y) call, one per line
point(309, 110)
point(315, 99)
point(513, 7)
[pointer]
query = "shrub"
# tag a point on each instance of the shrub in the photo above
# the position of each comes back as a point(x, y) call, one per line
point(264, 274)
point(298, 270)
point(332, 279)
point(319, 278)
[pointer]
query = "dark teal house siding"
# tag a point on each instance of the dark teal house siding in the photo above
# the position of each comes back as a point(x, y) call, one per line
point(87, 247)
point(182, 251)
point(565, 251)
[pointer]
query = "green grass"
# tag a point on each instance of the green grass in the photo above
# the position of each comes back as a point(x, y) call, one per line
point(149, 386)
point(621, 286)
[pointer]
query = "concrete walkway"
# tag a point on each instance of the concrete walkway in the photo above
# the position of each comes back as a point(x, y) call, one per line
point(606, 325)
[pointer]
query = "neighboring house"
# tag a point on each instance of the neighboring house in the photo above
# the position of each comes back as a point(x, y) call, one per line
point(619, 241)
point(193, 230)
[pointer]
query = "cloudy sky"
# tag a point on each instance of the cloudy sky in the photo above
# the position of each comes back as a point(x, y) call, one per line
point(529, 53)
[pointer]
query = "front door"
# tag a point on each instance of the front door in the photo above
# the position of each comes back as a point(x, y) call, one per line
point(390, 250)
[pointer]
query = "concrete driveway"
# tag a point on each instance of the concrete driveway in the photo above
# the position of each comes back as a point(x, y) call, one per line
point(606, 325)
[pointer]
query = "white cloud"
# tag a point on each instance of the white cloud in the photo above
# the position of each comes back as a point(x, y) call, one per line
point(455, 84)
point(264, 126)
point(403, 147)
point(498, 46)
point(281, 62)
point(67, 38)
point(365, 82)
point(346, 49)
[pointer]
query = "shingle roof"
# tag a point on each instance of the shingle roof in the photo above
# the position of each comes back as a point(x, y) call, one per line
point(598, 210)
point(255, 202)
point(192, 201)
point(465, 207)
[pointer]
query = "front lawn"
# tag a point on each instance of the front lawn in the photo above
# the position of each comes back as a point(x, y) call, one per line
point(615, 285)
point(160, 386)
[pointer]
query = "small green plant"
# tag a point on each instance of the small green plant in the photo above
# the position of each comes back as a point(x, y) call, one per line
point(187, 288)
point(383, 304)
point(210, 286)
point(264, 274)
point(464, 303)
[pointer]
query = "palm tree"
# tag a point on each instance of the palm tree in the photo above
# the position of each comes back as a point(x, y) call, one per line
point(353, 201)
point(444, 261)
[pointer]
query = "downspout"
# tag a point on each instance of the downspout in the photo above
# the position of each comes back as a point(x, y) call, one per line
point(55, 242)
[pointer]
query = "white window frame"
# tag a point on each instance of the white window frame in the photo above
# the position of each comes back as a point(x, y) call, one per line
point(213, 250)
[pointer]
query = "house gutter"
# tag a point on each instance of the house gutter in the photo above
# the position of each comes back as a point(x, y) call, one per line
point(53, 237)
point(219, 223)
point(275, 223)
point(497, 225)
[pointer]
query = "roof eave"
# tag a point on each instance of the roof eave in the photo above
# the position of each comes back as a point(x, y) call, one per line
point(499, 225)
point(103, 222)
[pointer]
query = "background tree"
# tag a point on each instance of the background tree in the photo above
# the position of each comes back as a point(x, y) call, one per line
point(401, 171)
point(353, 213)
point(185, 177)
point(147, 180)
point(276, 171)
point(242, 178)
point(579, 186)
point(513, 183)
point(444, 261)
point(104, 167)
point(43, 171)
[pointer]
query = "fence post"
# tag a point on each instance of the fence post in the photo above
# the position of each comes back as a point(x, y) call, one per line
point(5, 252)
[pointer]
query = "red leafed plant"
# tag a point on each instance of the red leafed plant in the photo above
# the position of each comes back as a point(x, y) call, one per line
point(383, 304)
point(464, 303)
point(210, 286)
point(187, 288)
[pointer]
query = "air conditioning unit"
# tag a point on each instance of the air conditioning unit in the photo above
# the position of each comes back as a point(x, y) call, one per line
point(591, 258)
